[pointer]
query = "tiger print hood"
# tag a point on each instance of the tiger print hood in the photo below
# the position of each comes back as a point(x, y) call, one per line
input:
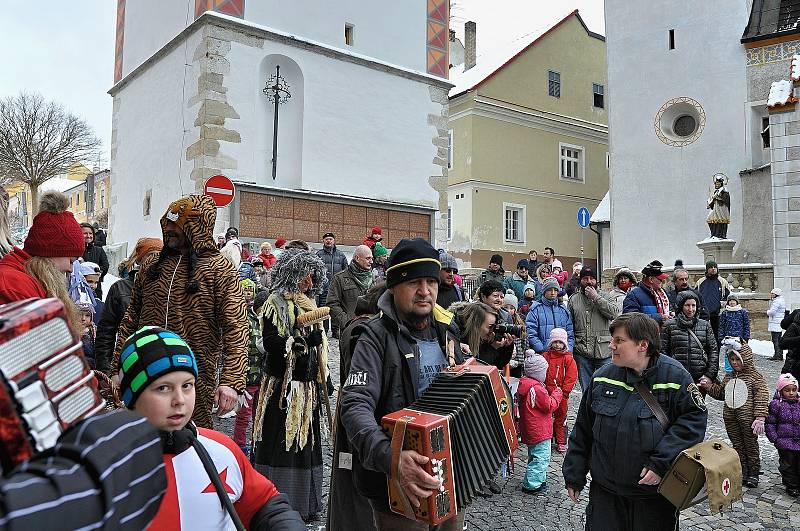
point(196, 215)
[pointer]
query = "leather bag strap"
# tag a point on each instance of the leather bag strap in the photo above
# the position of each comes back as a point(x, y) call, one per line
point(398, 438)
point(653, 404)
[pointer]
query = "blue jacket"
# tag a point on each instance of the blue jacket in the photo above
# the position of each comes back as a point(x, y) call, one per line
point(517, 284)
point(734, 324)
point(541, 320)
point(712, 292)
point(640, 299)
point(246, 270)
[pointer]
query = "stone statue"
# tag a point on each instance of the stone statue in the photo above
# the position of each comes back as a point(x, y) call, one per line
point(719, 204)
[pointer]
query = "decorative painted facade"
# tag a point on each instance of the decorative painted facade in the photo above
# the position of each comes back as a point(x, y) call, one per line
point(234, 8)
point(438, 37)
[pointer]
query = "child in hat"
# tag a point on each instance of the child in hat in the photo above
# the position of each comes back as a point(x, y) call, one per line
point(536, 407)
point(528, 300)
point(510, 304)
point(562, 373)
point(746, 397)
point(158, 372)
point(559, 273)
point(255, 360)
point(734, 321)
point(88, 332)
point(783, 430)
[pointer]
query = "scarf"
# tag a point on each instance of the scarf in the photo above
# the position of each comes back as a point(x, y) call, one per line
point(268, 259)
point(363, 277)
point(662, 301)
point(685, 322)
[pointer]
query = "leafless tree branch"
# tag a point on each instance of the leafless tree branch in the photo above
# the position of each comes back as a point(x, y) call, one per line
point(39, 139)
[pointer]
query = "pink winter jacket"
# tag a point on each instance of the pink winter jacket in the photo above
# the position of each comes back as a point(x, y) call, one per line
point(536, 420)
point(562, 277)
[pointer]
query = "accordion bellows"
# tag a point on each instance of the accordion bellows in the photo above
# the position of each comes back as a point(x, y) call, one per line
point(464, 424)
point(45, 383)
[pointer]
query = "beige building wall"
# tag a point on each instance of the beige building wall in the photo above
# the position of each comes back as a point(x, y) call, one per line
point(567, 49)
point(507, 135)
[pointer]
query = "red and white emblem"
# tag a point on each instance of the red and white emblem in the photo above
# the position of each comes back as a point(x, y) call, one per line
point(220, 189)
point(726, 486)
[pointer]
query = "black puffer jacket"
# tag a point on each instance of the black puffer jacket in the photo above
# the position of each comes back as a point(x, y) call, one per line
point(699, 358)
point(96, 254)
point(116, 304)
point(791, 343)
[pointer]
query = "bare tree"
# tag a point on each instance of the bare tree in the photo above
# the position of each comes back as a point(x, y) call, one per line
point(39, 139)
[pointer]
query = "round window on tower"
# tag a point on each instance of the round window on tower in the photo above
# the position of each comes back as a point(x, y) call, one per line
point(679, 122)
point(684, 126)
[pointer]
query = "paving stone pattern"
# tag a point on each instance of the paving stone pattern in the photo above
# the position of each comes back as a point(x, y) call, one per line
point(765, 507)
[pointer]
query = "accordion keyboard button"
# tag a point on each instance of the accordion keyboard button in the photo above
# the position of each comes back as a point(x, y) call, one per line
point(32, 396)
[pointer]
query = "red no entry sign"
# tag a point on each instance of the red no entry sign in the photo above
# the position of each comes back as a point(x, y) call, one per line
point(220, 189)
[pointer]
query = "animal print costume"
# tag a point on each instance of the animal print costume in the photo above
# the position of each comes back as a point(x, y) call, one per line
point(199, 298)
point(746, 397)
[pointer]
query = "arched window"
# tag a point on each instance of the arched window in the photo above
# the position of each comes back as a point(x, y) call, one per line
point(289, 163)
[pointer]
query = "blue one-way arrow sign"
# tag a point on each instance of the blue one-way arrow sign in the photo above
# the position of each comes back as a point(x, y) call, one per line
point(583, 217)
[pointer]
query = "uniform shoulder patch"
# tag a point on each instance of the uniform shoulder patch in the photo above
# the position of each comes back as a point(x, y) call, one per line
point(696, 395)
point(356, 378)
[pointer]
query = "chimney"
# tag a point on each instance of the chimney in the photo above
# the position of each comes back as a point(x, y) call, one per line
point(469, 45)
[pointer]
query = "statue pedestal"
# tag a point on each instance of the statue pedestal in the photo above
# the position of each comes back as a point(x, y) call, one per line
point(717, 249)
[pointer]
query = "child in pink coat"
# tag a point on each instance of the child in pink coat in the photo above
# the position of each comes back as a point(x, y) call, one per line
point(559, 273)
point(536, 407)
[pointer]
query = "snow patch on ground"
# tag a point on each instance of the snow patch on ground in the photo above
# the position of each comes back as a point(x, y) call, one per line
point(762, 348)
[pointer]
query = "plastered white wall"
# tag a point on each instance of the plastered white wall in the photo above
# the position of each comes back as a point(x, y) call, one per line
point(150, 145)
point(394, 32)
point(364, 133)
point(658, 192)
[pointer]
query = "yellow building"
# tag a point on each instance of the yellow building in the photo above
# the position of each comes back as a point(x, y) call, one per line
point(74, 184)
point(529, 147)
point(94, 207)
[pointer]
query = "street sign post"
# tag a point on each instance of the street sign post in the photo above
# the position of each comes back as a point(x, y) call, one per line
point(583, 217)
point(220, 189)
point(583, 221)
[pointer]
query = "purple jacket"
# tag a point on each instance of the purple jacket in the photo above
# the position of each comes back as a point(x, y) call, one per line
point(783, 424)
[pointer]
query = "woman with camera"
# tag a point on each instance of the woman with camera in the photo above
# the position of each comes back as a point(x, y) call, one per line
point(486, 339)
point(485, 336)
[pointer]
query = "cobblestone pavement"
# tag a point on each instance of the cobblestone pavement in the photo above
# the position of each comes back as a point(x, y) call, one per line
point(765, 507)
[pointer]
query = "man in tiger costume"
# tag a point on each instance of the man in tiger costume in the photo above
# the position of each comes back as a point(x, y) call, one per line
point(190, 289)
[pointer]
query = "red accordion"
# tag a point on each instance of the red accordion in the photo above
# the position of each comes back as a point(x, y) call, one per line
point(45, 383)
point(463, 424)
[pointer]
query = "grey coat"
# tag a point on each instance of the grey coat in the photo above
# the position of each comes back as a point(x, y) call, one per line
point(590, 320)
point(342, 297)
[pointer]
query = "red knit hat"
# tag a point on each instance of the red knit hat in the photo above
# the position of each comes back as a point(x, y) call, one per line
point(54, 232)
point(376, 230)
point(280, 242)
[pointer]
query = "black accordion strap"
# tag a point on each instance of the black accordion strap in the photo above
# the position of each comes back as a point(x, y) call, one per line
point(398, 438)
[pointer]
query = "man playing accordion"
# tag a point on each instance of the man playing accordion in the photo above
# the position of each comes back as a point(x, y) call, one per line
point(398, 354)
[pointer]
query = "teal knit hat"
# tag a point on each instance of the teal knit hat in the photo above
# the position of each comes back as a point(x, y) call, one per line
point(149, 354)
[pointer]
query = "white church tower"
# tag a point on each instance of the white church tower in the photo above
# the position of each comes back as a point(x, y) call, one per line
point(677, 93)
point(361, 126)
